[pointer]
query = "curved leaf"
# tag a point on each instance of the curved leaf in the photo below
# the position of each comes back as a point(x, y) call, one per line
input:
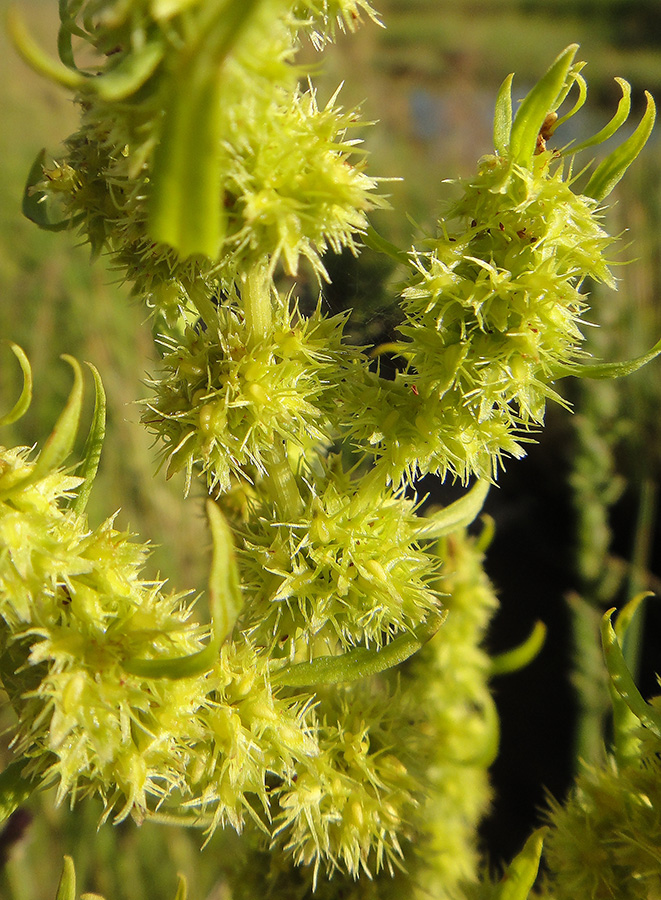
point(93, 445)
point(129, 74)
point(609, 370)
point(502, 120)
point(620, 117)
point(621, 677)
point(580, 100)
point(358, 663)
point(610, 170)
point(20, 407)
point(536, 106)
point(35, 57)
point(521, 656)
point(59, 443)
point(457, 515)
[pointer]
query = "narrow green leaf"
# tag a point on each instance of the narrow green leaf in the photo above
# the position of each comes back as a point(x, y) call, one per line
point(375, 241)
point(627, 613)
point(59, 443)
point(536, 106)
point(20, 407)
point(521, 656)
point(580, 100)
point(185, 203)
point(14, 788)
point(67, 887)
point(225, 605)
point(224, 583)
point(182, 888)
point(621, 677)
point(502, 120)
point(521, 874)
point(610, 170)
point(35, 57)
point(36, 203)
point(457, 515)
point(129, 74)
point(358, 663)
point(177, 667)
point(68, 28)
point(609, 370)
point(620, 117)
point(93, 445)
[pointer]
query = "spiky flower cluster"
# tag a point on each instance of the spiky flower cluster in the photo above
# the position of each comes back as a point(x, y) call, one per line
point(195, 107)
point(226, 398)
point(201, 165)
point(493, 310)
point(348, 571)
point(75, 613)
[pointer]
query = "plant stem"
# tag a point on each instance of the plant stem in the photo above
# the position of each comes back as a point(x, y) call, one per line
point(256, 299)
point(283, 483)
point(632, 644)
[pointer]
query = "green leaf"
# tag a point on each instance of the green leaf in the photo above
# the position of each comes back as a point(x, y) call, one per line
point(580, 100)
point(130, 73)
point(185, 202)
point(59, 443)
point(67, 29)
point(620, 117)
point(521, 874)
point(35, 57)
point(521, 656)
point(609, 370)
point(93, 445)
point(225, 604)
point(457, 515)
point(621, 677)
point(20, 407)
point(14, 788)
point(224, 582)
point(67, 887)
point(36, 203)
point(536, 106)
point(610, 170)
point(359, 663)
point(373, 240)
point(502, 120)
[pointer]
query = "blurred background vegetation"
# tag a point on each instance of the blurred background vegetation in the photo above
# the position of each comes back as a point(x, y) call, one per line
point(576, 521)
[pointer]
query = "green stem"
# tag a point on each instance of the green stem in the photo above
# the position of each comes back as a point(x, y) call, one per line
point(198, 294)
point(631, 644)
point(256, 300)
point(283, 483)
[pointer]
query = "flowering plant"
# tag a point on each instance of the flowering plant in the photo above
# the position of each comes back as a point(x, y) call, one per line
point(336, 709)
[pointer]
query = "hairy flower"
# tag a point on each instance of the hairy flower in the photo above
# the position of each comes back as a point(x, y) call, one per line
point(75, 613)
point(349, 570)
point(225, 400)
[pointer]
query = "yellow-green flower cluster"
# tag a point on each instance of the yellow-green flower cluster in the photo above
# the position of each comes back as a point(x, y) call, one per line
point(604, 842)
point(347, 571)
point(493, 310)
point(74, 614)
point(226, 398)
point(198, 151)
